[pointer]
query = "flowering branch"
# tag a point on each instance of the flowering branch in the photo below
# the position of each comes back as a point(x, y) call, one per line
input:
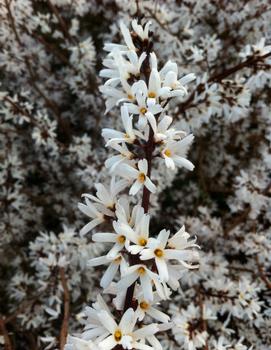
point(145, 262)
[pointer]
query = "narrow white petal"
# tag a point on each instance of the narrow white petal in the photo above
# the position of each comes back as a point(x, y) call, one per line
point(88, 227)
point(146, 287)
point(107, 321)
point(135, 188)
point(105, 237)
point(143, 166)
point(158, 315)
point(126, 281)
point(128, 321)
point(109, 275)
point(163, 237)
point(162, 269)
point(146, 331)
point(108, 343)
point(182, 162)
point(101, 260)
point(150, 185)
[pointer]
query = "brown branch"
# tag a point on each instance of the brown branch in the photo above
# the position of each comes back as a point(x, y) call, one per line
point(32, 81)
point(237, 220)
point(263, 276)
point(8, 344)
point(65, 322)
point(218, 77)
point(18, 108)
point(203, 321)
point(61, 21)
point(52, 49)
point(250, 61)
point(20, 309)
point(242, 217)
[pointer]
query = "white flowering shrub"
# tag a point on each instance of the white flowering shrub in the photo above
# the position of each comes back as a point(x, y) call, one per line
point(158, 114)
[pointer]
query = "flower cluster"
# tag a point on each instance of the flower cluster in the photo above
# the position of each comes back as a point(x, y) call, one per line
point(143, 268)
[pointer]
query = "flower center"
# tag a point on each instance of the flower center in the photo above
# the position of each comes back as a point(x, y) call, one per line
point(152, 94)
point(141, 177)
point(142, 242)
point(117, 260)
point(131, 97)
point(144, 305)
point(167, 153)
point(121, 239)
point(159, 252)
point(143, 110)
point(141, 270)
point(118, 335)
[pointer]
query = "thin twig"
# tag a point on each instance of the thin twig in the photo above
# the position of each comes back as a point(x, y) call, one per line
point(65, 322)
point(8, 344)
point(203, 320)
point(244, 214)
point(263, 276)
point(218, 77)
point(61, 21)
point(51, 104)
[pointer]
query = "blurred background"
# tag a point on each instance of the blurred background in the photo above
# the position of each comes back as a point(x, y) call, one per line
point(51, 116)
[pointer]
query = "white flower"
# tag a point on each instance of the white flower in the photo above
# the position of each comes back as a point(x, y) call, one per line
point(162, 132)
point(116, 263)
point(143, 106)
point(139, 175)
point(181, 240)
point(118, 238)
point(139, 235)
point(83, 55)
point(157, 250)
point(125, 156)
point(177, 86)
point(146, 307)
point(96, 212)
point(174, 153)
point(107, 196)
point(127, 36)
point(94, 329)
point(155, 89)
point(142, 32)
point(259, 49)
point(146, 277)
point(123, 333)
point(192, 337)
point(127, 216)
point(128, 136)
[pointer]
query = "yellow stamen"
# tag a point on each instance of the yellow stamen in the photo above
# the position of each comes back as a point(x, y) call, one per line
point(144, 305)
point(142, 242)
point(167, 153)
point(143, 110)
point(121, 239)
point(159, 252)
point(118, 335)
point(117, 260)
point(131, 97)
point(152, 94)
point(141, 177)
point(141, 270)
